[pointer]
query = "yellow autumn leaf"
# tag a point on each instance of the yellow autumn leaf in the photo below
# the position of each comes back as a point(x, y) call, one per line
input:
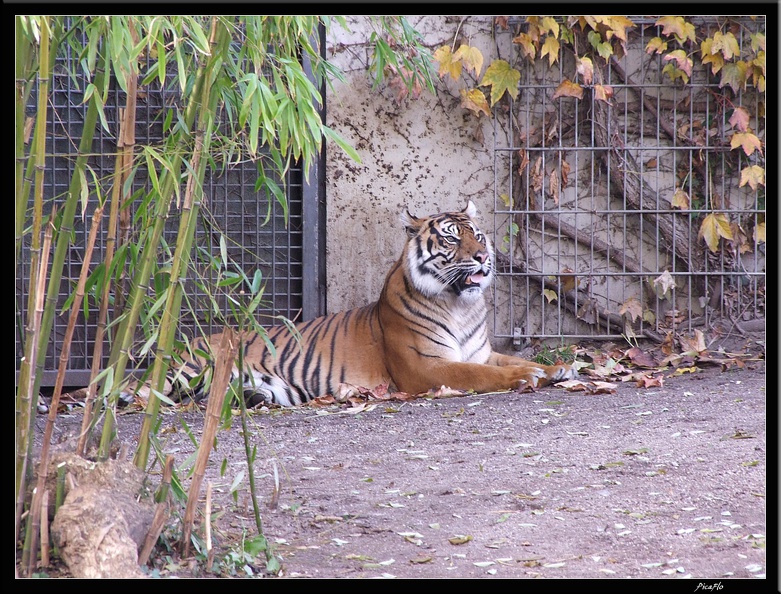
point(753, 176)
point(708, 57)
point(474, 100)
point(567, 88)
point(619, 25)
point(551, 49)
point(746, 140)
point(680, 199)
point(448, 64)
point(656, 46)
point(603, 93)
point(759, 233)
point(527, 45)
point(726, 44)
point(550, 24)
point(674, 72)
point(550, 295)
point(471, 57)
point(501, 77)
point(715, 226)
point(757, 42)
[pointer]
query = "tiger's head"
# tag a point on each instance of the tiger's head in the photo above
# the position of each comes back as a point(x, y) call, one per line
point(447, 255)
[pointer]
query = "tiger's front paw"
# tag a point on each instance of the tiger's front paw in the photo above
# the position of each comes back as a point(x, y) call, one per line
point(536, 376)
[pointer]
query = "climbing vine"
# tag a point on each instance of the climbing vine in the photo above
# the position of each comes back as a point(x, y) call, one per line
point(600, 41)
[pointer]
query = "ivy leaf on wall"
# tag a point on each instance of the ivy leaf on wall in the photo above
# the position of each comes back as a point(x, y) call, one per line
point(501, 77)
point(748, 141)
point(585, 68)
point(715, 226)
point(551, 49)
point(735, 75)
point(753, 176)
point(475, 101)
point(448, 63)
point(471, 57)
point(567, 88)
point(726, 44)
point(739, 119)
point(678, 27)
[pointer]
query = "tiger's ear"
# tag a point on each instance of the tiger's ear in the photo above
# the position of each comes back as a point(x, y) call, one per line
point(470, 210)
point(411, 224)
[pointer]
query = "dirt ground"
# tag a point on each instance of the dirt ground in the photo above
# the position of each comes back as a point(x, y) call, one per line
point(662, 482)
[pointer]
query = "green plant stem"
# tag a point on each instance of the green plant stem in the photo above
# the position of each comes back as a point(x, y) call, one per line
point(25, 403)
point(219, 39)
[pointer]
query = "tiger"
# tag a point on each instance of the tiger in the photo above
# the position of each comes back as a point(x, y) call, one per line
point(428, 329)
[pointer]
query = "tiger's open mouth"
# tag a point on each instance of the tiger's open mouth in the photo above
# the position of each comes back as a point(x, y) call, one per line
point(474, 279)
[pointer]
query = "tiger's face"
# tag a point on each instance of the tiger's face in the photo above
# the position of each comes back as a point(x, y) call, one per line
point(447, 255)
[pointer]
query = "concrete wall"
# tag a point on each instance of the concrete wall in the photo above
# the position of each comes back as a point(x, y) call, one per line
point(416, 155)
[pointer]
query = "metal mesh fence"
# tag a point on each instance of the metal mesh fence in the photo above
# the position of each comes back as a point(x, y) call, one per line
point(258, 237)
point(600, 204)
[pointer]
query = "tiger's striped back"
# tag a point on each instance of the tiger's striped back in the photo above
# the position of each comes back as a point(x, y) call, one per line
point(427, 329)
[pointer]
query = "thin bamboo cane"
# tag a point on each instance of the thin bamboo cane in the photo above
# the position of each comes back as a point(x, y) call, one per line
point(218, 40)
point(25, 402)
point(123, 167)
point(63, 239)
point(43, 465)
point(28, 554)
point(224, 358)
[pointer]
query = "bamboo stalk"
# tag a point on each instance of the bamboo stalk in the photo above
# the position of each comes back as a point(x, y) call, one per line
point(45, 529)
point(187, 226)
point(28, 403)
point(248, 447)
point(122, 169)
point(43, 464)
point(63, 239)
point(224, 358)
point(161, 513)
point(120, 352)
point(25, 402)
point(208, 520)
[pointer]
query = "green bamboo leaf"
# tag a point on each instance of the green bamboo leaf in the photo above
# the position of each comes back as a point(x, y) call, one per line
point(223, 251)
point(256, 280)
point(341, 143)
point(198, 37)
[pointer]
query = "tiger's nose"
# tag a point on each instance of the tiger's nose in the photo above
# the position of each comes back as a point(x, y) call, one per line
point(481, 256)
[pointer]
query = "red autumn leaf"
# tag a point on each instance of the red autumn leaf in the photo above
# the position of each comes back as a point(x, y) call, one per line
point(585, 68)
point(642, 359)
point(684, 62)
point(739, 119)
point(646, 381)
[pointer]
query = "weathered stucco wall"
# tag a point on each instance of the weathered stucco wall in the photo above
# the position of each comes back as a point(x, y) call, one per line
point(418, 155)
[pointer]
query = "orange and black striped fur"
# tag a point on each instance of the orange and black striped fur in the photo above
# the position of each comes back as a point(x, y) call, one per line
point(427, 330)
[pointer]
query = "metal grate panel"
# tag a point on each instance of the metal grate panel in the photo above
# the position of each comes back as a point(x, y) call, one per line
point(585, 228)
